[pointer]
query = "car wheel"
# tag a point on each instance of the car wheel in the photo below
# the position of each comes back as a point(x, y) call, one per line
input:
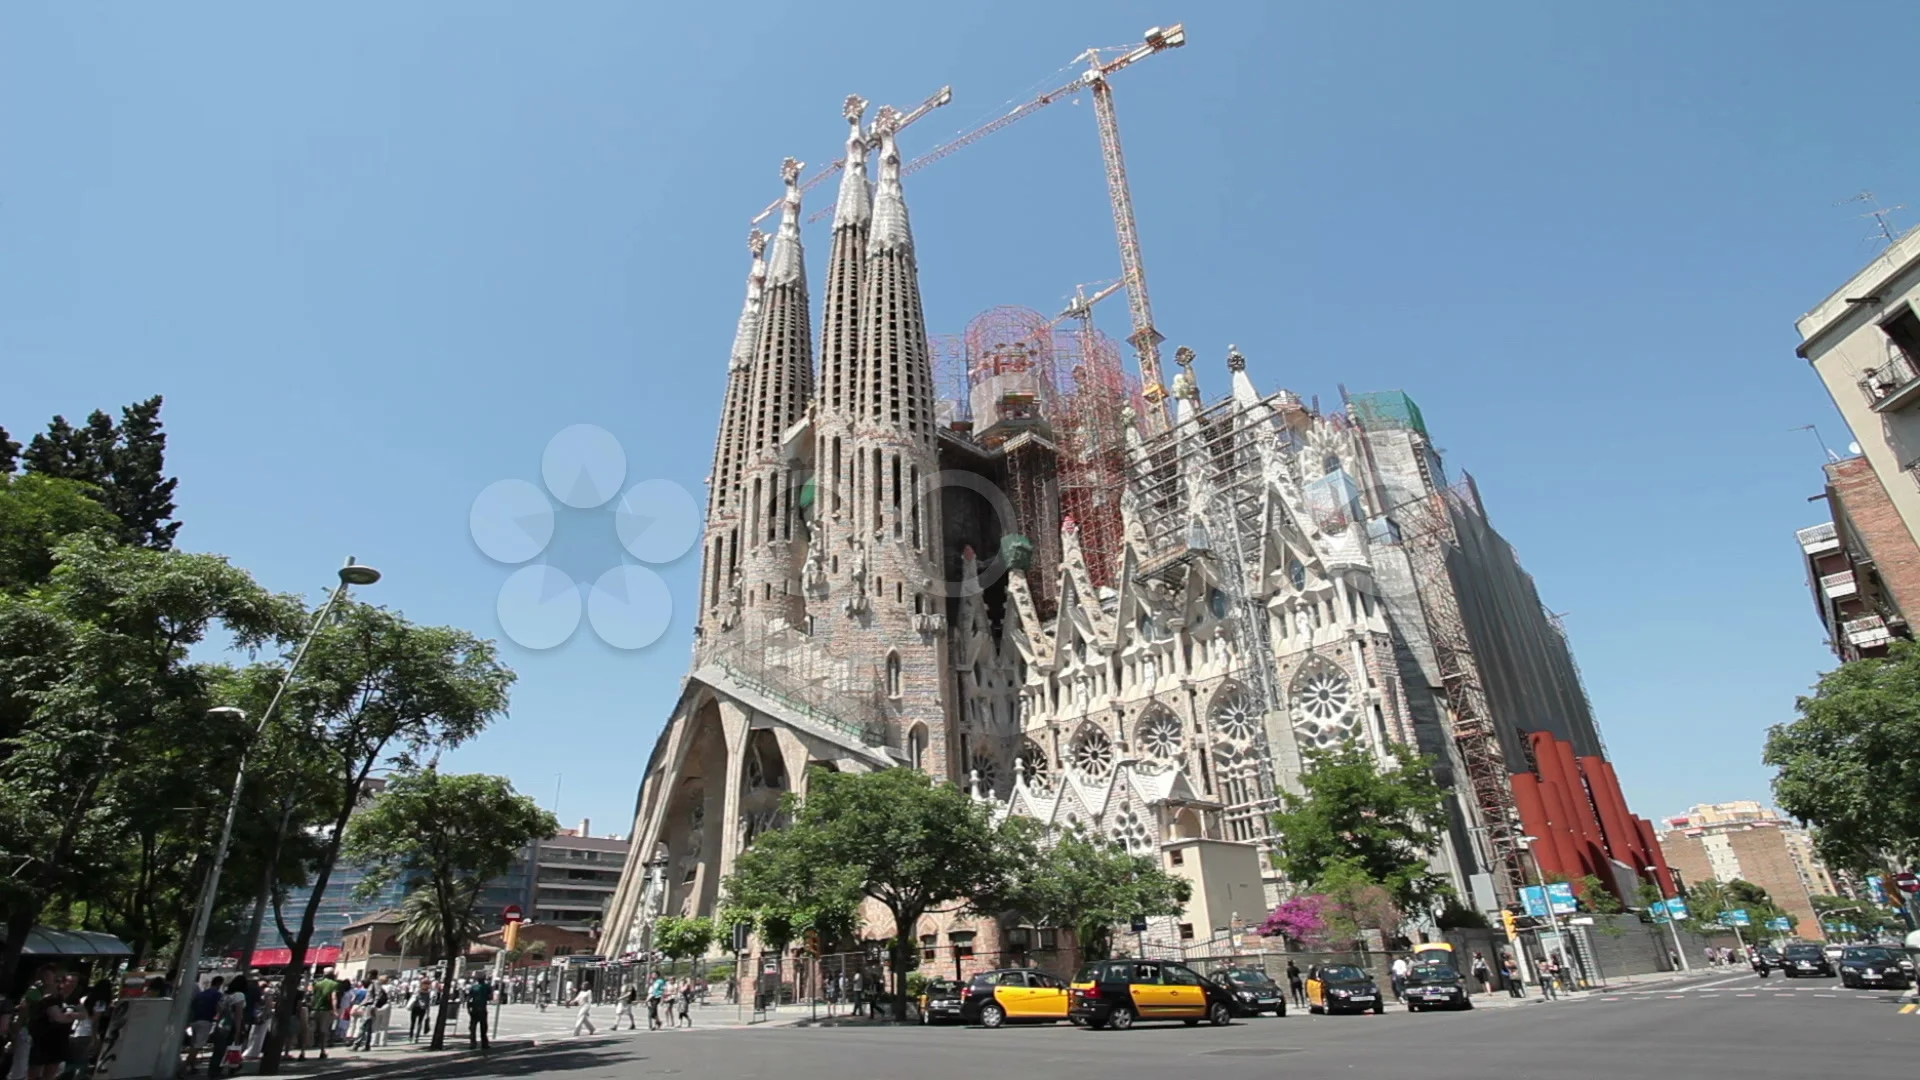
point(1219, 1015)
point(1379, 1008)
point(1121, 1020)
point(992, 1015)
point(1466, 1004)
point(1314, 1010)
point(1281, 1011)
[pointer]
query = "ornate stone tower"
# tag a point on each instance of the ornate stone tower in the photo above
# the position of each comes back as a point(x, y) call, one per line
point(720, 596)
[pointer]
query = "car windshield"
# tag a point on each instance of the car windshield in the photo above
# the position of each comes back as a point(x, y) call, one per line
point(1247, 978)
point(1431, 972)
point(1803, 952)
point(1342, 973)
point(1867, 953)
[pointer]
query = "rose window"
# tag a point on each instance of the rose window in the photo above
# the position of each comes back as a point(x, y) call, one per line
point(1234, 715)
point(1160, 735)
point(1034, 763)
point(1323, 704)
point(988, 771)
point(1092, 752)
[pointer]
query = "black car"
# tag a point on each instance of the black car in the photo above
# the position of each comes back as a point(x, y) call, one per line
point(1253, 991)
point(1115, 993)
point(1874, 967)
point(1764, 958)
point(1806, 960)
point(939, 1001)
point(1343, 988)
point(1435, 986)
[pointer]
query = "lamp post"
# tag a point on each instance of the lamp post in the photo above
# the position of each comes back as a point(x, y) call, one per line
point(1672, 924)
point(351, 574)
point(1526, 844)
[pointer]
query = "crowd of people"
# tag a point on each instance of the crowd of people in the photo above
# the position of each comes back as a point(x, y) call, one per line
point(53, 1030)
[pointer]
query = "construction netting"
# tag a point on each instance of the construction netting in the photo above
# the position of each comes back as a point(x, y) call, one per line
point(1385, 409)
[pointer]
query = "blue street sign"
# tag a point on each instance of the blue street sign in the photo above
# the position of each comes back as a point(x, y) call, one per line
point(1735, 917)
point(1658, 909)
point(1781, 923)
point(1677, 908)
point(1536, 900)
point(1561, 895)
point(1878, 889)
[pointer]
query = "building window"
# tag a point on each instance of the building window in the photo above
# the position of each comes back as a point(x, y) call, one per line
point(1903, 329)
point(1186, 931)
point(1047, 939)
point(962, 943)
point(917, 747)
point(1177, 857)
point(928, 943)
point(893, 674)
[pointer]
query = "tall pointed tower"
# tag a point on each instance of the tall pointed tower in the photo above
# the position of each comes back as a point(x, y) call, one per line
point(719, 597)
point(891, 575)
point(782, 385)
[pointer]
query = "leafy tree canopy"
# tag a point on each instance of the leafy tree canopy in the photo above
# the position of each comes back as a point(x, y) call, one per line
point(1357, 821)
point(1084, 883)
point(123, 463)
point(682, 937)
point(1848, 765)
point(36, 513)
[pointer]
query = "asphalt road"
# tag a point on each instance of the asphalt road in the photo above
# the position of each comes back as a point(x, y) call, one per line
point(1743, 1028)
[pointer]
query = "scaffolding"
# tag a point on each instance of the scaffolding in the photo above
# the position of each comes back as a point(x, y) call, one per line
point(1095, 394)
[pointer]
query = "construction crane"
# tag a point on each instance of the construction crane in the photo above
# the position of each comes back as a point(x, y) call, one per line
point(1146, 338)
point(940, 97)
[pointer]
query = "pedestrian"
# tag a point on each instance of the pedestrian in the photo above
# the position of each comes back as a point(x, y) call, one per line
point(583, 1023)
point(417, 1006)
point(321, 1004)
point(686, 1002)
point(656, 992)
point(87, 1031)
point(1398, 975)
point(1510, 974)
point(1295, 988)
point(229, 1027)
point(1562, 972)
point(378, 1013)
point(202, 1011)
point(1482, 973)
point(628, 999)
point(1547, 974)
point(1673, 957)
point(479, 995)
point(51, 1026)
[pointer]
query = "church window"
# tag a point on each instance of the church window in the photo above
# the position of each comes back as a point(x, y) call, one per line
point(917, 747)
point(893, 674)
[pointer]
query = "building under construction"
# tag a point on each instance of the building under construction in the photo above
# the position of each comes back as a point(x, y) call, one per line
point(1015, 560)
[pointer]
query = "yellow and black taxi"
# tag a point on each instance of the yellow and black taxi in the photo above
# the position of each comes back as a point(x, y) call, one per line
point(939, 1001)
point(1013, 996)
point(1434, 983)
point(1343, 988)
point(1115, 993)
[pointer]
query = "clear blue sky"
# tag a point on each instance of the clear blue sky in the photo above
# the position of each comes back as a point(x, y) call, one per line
point(375, 255)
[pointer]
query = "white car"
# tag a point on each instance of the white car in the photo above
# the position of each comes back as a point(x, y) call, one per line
point(1833, 953)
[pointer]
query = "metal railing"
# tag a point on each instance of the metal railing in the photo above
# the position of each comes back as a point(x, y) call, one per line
point(1890, 379)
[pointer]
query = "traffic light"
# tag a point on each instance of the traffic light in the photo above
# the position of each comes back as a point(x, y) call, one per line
point(1506, 920)
point(512, 941)
point(813, 943)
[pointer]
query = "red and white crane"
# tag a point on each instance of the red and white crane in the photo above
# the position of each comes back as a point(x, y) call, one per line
point(940, 97)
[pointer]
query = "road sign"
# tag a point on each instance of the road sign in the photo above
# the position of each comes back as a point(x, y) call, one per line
point(1658, 911)
point(512, 913)
point(1580, 920)
point(740, 932)
point(1139, 924)
point(1560, 894)
point(1536, 900)
point(1736, 917)
point(1782, 923)
point(1677, 908)
point(1908, 881)
point(1877, 888)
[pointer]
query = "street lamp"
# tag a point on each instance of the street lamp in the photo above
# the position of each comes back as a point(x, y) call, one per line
point(351, 574)
point(1673, 924)
point(1526, 844)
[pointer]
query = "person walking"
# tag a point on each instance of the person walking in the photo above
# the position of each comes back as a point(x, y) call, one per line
point(51, 1027)
point(1295, 988)
point(1510, 974)
point(656, 992)
point(417, 1006)
point(1482, 973)
point(1547, 977)
point(628, 999)
point(1398, 974)
point(479, 996)
point(320, 1005)
point(202, 1011)
point(229, 1027)
point(686, 1002)
point(583, 1023)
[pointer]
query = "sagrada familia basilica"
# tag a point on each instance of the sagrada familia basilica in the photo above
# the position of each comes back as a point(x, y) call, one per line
point(1120, 608)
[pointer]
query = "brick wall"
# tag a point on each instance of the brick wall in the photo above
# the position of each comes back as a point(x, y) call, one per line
point(1861, 506)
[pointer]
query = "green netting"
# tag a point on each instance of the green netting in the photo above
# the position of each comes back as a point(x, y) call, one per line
point(1016, 551)
point(1384, 409)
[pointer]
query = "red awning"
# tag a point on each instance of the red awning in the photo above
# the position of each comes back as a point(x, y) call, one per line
point(324, 954)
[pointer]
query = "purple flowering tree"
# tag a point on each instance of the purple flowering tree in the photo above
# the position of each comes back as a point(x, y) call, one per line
point(1301, 919)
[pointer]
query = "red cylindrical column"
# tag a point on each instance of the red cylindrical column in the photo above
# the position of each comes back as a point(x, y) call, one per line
point(1534, 819)
point(1642, 856)
point(1573, 860)
point(1659, 862)
point(1621, 837)
point(1585, 822)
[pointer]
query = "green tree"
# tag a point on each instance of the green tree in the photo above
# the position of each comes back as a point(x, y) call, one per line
point(9, 453)
point(781, 887)
point(915, 845)
point(1083, 883)
point(449, 834)
point(1379, 823)
point(1848, 764)
point(376, 690)
point(682, 937)
point(125, 464)
point(36, 513)
point(98, 671)
point(1357, 902)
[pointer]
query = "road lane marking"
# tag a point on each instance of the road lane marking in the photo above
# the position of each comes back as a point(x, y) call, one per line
point(1826, 995)
point(1906, 1010)
point(1746, 995)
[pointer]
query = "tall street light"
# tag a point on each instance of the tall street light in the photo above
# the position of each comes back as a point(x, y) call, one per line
point(351, 574)
point(1566, 947)
point(1673, 924)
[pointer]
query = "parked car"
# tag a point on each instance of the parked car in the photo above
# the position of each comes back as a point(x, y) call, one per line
point(1115, 993)
point(939, 1001)
point(1432, 984)
point(1013, 995)
point(1874, 967)
point(1805, 959)
point(1253, 991)
point(1343, 988)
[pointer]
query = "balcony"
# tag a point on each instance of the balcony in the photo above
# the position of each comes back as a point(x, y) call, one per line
point(1839, 586)
point(1893, 385)
point(1818, 539)
point(1866, 632)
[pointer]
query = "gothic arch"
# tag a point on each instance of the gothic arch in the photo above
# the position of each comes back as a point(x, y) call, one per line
point(1159, 734)
point(917, 746)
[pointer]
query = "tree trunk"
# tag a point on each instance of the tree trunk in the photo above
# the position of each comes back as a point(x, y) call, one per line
point(288, 1011)
point(446, 992)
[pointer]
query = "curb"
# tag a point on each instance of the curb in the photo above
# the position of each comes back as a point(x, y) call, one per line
point(362, 1066)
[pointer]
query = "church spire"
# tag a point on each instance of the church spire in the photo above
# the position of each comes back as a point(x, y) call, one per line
point(730, 448)
point(788, 263)
point(855, 206)
point(749, 328)
point(891, 230)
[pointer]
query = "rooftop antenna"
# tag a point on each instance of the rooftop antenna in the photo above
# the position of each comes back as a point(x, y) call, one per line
point(1831, 456)
point(1878, 214)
